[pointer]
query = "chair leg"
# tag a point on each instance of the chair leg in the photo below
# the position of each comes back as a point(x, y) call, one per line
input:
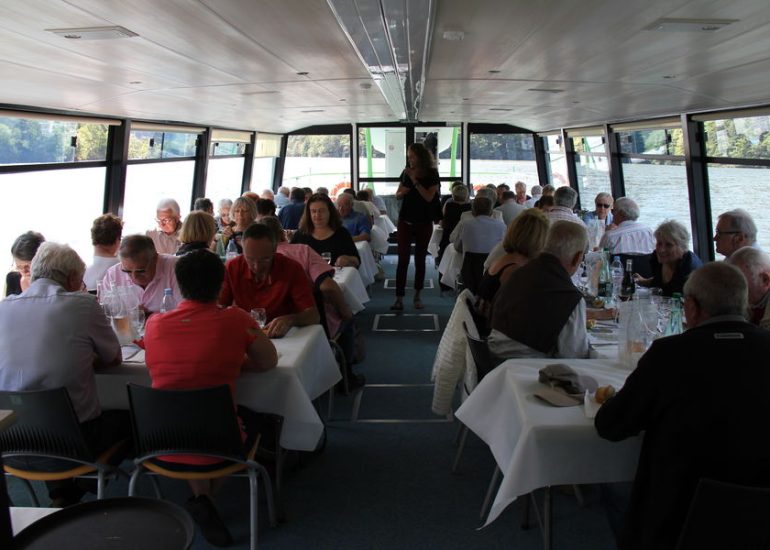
point(132, 482)
point(253, 508)
point(490, 491)
point(331, 404)
point(356, 404)
point(100, 484)
point(460, 430)
point(460, 448)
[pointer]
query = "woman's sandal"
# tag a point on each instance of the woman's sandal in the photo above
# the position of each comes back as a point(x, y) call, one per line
point(397, 306)
point(418, 304)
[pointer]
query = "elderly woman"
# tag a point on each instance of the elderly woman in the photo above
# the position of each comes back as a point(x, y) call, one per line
point(23, 250)
point(243, 213)
point(223, 219)
point(672, 262)
point(321, 229)
point(168, 218)
point(524, 239)
point(198, 232)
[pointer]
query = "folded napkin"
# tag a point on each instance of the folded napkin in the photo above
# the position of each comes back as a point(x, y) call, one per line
point(562, 386)
point(132, 353)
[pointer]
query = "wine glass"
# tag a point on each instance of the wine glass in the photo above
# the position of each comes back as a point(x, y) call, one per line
point(260, 316)
point(327, 256)
point(137, 321)
point(583, 277)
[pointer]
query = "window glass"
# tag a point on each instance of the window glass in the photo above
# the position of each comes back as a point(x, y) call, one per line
point(220, 149)
point(660, 190)
point(659, 141)
point(556, 161)
point(446, 145)
point(503, 158)
point(262, 173)
point(224, 179)
point(32, 141)
point(382, 154)
point(593, 177)
point(67, 202)
point(145, 145)
point(747, 138)
point(733, 187)
point(317, 161)
point(147, 184)
point(589, 144)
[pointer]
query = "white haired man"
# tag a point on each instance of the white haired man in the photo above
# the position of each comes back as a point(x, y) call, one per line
point(521, 192)
point(54, 335)
point(166, 236)
point(564, 200)
point(491, 194)
point(755, 266)
point(700, 398)
point(735, 229)
point(538, 312)
point(630, 236)
point(282, 197)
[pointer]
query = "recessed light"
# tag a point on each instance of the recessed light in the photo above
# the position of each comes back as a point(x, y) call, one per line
point(466, 99)
point(313, 111)
point(494, 71)
point(365, 85)
point(688, 25)
point(453, 36)
point(343, 99)
point(500, 109)
point(546, 90)
point(135, 82)
point(94, 33)
point(303, 73)
point(669, 76)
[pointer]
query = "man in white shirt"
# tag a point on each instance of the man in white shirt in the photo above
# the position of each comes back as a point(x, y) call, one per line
point(105, 236)
point(169, 219)
point(491, 194)
point(755, 266)
point(630, 236)
point(509, 207)
point(537, 192)
point(564, 200)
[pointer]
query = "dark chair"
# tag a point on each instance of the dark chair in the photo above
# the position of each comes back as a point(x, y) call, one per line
point(480, 321)
point(47, 427)
point(640, 262)
point(723, 515)
point(194, 422)
point(472, 270)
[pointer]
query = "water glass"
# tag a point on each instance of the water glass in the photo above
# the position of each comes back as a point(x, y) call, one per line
point(137, 321)
point(260, 316)
point(327, 256)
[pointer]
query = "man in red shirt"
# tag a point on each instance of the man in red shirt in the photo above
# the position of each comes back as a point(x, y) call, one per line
point(261, 278)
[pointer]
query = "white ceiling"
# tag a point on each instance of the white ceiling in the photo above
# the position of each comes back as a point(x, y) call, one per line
point(234, 63)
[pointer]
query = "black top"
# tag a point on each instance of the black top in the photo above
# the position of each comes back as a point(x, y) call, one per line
point(452, 212)
point(189, 247)
point(414, 208)
point(13, 283)
point(689, 263)
point(339, 244)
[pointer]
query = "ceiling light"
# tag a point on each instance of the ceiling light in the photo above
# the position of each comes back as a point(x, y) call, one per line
point(392, 39)
point(689, 25)
point(546, 90)
point(313, 111)
point(303, 73)
point(94, 33)
point(500, 109)
point(494, 71)
point(453, 36)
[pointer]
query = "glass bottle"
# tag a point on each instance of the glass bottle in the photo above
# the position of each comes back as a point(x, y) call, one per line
point(232, 249)
point(167, 303)
point(628, 286)
point(605, 277)
point(675, 323)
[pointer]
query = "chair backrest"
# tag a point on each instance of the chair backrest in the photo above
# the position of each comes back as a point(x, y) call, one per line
point(481, 354)
point(472, 270)
point(723, 515)
point(46, 425)
point(200, 421)
point(479, 321)
point(641, 263)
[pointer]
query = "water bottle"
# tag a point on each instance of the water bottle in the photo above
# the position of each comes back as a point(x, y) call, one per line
point(167, 303)
point(617, 274)
point(675, 318)
point(220, 248)
point(232, 250)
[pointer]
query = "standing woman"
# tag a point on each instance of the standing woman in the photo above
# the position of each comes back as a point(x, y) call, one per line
point(419, 189)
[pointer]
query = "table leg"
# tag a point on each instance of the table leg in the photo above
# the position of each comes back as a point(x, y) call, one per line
point(547, 519)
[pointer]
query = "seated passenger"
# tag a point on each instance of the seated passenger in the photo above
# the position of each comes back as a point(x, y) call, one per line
point(53, 335)
point(358, 225)
point(261, 278)
point(265, 207)
point(223, 219)
point(105, 236)
point(629, 236)
point(700, 399)
point(23, 250)
point(267, 194)
point(145, 272)
point(321, 229)
point(213, 345)
point(166, 236)
point(755, 266)
point(198, 232)
point(468, 215)
point(599, 220)
point(509, 207)
point(322, 191)
point(564, 200)
point(453, 209)
point(524, 240)
point(243, 214)
point(291, 213)
point(538, 312)
point(282, 197)
point(364, 196)
point(500, 189)
point(537, 192)
point(378, 202)
point(481, 233)
point(203, 204)
point(672, 262)
point(735, 229)
point(521, 192)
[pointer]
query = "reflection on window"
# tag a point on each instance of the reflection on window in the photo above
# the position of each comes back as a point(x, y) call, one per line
point(589, 144)
point(147, 184)
point(733, 187)
point(73, 198)
point(382, 155)
point(593, 177)
point(32, 141)
point(446, 146)
point(317, 161)
point(660, 190)
point(220, 149)
point(556, 161)
point(224, 179)
point(738, 137)
point(662, 141)
point(262, 174)
point(503, 158)
point(145, 145)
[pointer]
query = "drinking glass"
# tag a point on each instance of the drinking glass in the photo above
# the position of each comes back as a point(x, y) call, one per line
point(327, 256)
point(260, 316)
point(137, 321)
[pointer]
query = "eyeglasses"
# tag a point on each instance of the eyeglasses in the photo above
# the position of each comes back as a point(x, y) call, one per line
point(134, 272)
point(165, 221)
point(719, 233)
point(600, 205)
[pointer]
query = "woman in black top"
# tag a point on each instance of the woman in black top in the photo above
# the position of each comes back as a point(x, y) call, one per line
point(23, 250)
point(197, 233)
point(419, 189)
point(321, 229)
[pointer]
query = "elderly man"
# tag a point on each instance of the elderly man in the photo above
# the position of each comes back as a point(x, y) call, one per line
point(537, 192)
point(509, 207)
point(204, 205)
point(54, 336)
point(502, 188)
point(282, 197)
point(261, 278)
point(291, 213)
point(105, 236)
point(491, 194)
point(358, 225)
point(145, 272)
point(538, 312)
point(521, 192)
point(700, 399)
point(223, 219)
point(166, 236)
point(755, 266)
point(267, 194)
point(477, 238)
point(735, 229)
point(630, 236)
point(564, 200)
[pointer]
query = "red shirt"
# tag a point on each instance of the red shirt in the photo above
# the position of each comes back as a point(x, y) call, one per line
point(285, 291)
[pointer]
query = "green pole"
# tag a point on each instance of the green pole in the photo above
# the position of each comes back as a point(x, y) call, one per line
point(368, 139)
point(453, 161)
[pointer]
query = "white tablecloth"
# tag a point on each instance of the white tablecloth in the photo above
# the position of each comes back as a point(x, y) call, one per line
point(379, 240)
point(435, 240)
point(451, 263)
point(385, 223)
point(22, 516)
point(368, 267)
point(538, 445)
point(306, 369)
point(352, 287)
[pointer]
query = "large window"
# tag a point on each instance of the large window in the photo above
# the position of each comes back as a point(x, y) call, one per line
point(503, 158)
point(318, 161)
point(382, 154)
point(224, 178)
point(147, 184)
point(147, 144)
point(266, 151)
point(555, 160)
point(593, 171)
point(446, 145)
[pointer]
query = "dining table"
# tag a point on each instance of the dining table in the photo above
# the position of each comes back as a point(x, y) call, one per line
point(349, 280)
point(368, 267)
point(306, 370)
